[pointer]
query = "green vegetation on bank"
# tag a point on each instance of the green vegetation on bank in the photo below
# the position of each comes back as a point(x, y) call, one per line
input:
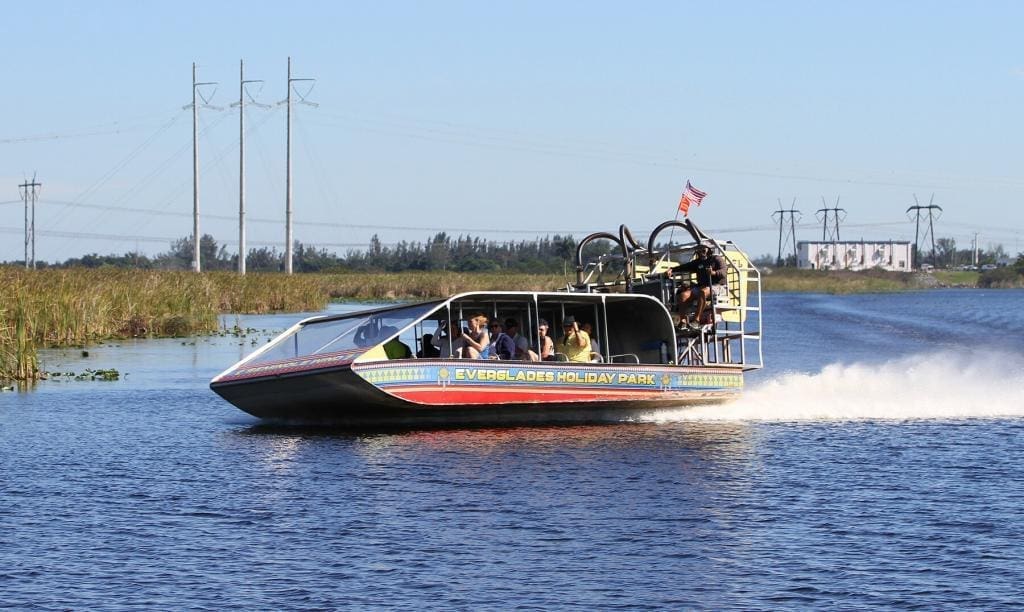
point(836, 281)
point(77, 306)
point(866, 281)
point(74, 307)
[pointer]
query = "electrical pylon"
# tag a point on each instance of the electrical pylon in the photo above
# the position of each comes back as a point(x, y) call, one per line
point(822, 215)
point(781, 212)
point(929, 231)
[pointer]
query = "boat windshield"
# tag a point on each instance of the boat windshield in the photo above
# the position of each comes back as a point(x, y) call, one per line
point(335, 335)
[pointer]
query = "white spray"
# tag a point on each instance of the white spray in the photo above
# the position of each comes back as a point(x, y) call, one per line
point(932, 386)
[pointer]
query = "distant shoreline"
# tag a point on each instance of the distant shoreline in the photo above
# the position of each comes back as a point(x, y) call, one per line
point(76, 307)
point(867, 281)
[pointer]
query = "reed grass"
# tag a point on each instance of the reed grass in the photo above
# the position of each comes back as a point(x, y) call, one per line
point(75, 307)
point(843, 281)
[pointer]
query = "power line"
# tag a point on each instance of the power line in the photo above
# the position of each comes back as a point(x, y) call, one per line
point(334, 224)
point(477, 137)
point(481, 230)
point(102, 129)
point(166, 239)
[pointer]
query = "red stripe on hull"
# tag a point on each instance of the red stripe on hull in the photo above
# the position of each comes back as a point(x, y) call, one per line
point(490, 396)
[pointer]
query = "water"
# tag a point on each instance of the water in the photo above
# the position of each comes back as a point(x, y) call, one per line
point(877, 462)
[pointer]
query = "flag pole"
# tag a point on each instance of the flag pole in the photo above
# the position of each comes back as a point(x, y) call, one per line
point(691, 197)
point(673, 230)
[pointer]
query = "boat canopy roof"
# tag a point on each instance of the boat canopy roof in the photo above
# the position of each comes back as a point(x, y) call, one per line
point(355, 334)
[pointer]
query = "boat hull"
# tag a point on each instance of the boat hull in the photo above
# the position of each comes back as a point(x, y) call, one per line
point(411, 392)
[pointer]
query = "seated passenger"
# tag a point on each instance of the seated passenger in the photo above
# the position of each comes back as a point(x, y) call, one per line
point(502, 346)
point(523, 351)
point(547, 346)
point(429, 350)
point(440, 339)
point(477, 340)
point(367, 334)
point(394, 348)
point(711, 270)
point(575, 343)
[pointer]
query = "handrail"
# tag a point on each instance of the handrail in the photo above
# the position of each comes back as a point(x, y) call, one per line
point(688, 225)
point(587, 240)
point(614, 358)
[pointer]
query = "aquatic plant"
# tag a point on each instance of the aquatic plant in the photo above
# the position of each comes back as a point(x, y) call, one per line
point(76, 307)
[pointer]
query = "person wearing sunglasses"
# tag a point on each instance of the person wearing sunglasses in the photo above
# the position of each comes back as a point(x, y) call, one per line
point(502, 346)
point(575, 343)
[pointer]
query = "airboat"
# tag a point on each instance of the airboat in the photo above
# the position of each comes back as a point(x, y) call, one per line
point(342, 369)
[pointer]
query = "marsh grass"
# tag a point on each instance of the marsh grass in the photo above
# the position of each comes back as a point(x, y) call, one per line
point(843, 281)
point(75, 307)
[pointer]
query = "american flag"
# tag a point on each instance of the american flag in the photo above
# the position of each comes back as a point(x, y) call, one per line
point(691, 195)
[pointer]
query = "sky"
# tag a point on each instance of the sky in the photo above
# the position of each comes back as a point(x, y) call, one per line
point(509, 121)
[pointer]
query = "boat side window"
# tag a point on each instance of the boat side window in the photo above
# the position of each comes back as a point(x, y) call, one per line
point(467, 317)
point(638, 332)
point(350, 334)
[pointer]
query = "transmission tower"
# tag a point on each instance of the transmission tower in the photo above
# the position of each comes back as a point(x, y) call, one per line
point(29, 194)
point(929, 230)
point(288, 247)
point(823, 215)
point(243, 93)
point(196, 264)
point(791, 233)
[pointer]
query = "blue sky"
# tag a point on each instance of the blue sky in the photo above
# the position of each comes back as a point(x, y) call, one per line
point(509, 120)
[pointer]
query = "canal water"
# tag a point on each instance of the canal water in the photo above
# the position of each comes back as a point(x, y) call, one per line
point(878, 461)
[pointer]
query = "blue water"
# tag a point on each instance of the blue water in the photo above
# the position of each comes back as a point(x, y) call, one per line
point(877, 462)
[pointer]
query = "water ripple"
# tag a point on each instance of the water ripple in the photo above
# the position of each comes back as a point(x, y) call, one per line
point(159, 496)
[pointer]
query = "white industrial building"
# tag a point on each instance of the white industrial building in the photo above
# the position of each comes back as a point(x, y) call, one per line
point(854, 255)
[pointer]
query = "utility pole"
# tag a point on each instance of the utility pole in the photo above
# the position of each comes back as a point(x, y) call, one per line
point(975, 249)
point(823, 215)
point(29, 194)
point(288, 248)
point(196, 264)
point(917, 216)
point(792, 228)
point(241, 161)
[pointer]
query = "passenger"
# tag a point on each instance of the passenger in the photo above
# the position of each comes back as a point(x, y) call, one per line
point(547, 345)
point(595, 346)
point(575, 343)
point(429, 350)
point(440, 339)
point(502, 346)
point(710, 271)
point(477, 340)
point(523, 351)
point(367, 333)
point(396, 349)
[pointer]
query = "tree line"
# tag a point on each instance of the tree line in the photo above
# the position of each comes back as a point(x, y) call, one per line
point(947, 255)
point(549, 254)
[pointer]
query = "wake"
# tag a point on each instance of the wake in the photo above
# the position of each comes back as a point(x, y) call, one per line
point(929, 386)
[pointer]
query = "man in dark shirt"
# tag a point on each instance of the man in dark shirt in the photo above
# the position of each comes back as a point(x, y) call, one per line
point(502, 345)
point(710, 270)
